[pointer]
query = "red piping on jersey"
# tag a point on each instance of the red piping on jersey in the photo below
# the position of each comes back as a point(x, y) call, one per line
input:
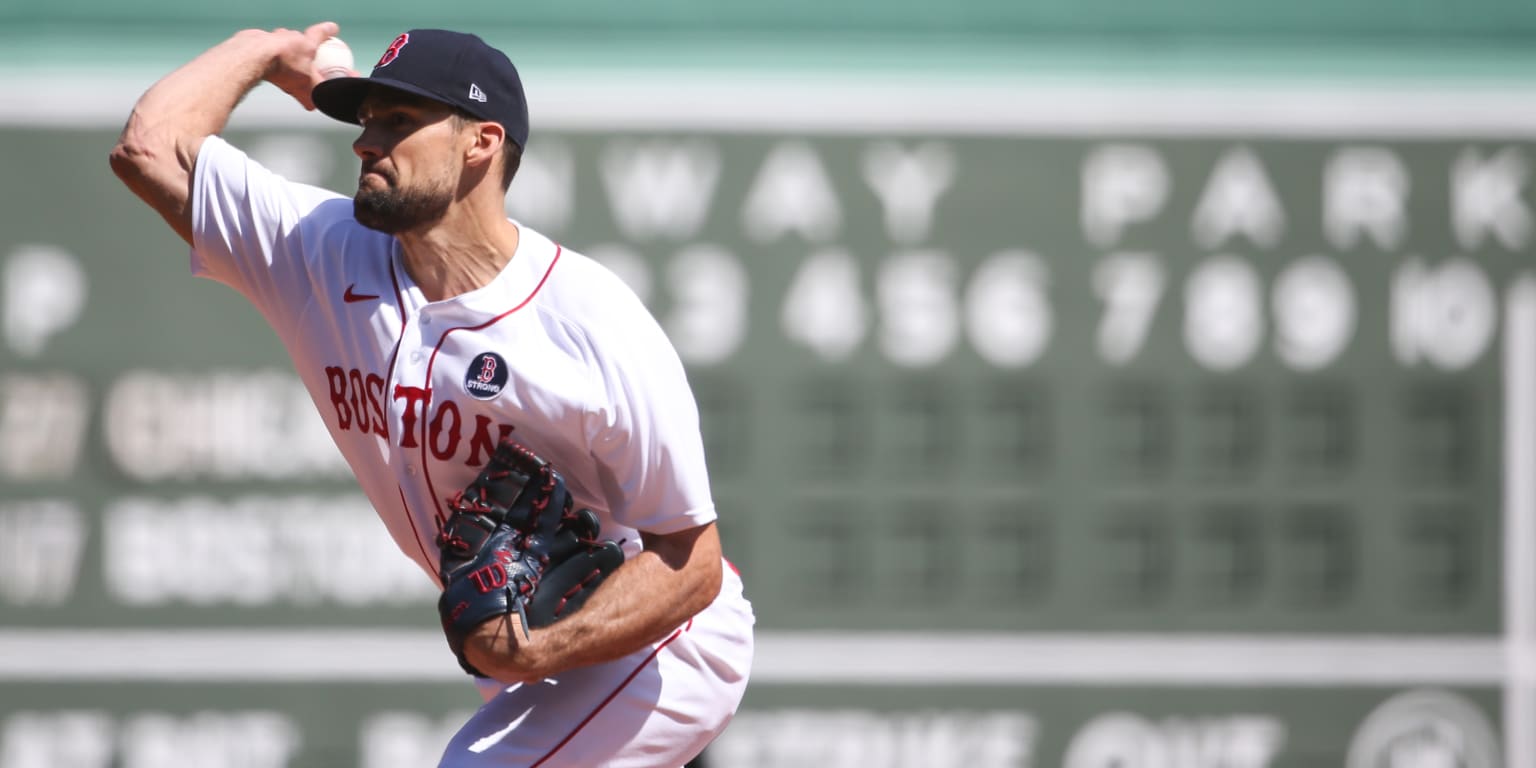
point(416, 532)
point(599, 708)
point(389, 373)
point(426, 406)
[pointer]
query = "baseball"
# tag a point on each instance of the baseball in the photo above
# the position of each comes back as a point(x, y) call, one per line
point(333, 59)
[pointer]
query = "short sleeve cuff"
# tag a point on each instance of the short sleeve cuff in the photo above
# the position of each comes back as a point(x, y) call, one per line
point(693, 518)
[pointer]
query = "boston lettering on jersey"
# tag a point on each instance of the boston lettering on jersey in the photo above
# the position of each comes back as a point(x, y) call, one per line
point(358, 399)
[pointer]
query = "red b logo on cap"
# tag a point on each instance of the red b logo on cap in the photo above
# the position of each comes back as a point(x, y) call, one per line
point(394, 49)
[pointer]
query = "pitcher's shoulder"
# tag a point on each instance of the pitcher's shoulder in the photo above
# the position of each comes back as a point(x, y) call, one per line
point(583, 287)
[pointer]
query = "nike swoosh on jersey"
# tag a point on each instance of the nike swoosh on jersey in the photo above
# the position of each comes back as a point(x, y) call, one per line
point(350, 296)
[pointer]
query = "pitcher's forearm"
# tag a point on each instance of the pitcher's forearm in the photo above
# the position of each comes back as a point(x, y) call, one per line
point(195, 101)
point(626, 613)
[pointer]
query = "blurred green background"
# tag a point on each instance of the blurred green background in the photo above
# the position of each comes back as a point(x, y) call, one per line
point(1097, 384)
point(1412, 38)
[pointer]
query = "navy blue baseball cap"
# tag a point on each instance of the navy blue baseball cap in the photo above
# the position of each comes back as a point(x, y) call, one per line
point(455, 68)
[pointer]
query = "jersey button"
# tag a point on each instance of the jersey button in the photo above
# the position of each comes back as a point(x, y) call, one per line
point(415, 357)
point(410, 469)
point(426, 320)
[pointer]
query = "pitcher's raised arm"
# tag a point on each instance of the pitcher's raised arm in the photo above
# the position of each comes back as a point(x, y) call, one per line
point(158, 148)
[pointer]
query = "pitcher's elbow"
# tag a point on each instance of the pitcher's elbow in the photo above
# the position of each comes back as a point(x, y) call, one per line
point(128, 160)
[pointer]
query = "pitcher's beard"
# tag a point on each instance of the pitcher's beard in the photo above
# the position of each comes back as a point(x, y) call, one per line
point(393, 211)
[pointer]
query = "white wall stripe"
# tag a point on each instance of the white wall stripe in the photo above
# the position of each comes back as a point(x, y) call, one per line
point(1132, 659)
point(838, 103)
point(1520, 522)
point(813, 658)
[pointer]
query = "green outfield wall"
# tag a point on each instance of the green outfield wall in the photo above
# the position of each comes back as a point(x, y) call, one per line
point(1488, 39)
point(1095, 385)
point(1175, 436)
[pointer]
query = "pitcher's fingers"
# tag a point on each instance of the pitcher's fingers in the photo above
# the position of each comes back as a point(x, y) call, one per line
point(319, 33)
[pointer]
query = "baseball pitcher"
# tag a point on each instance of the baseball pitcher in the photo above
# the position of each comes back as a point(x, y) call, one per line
point(515, 415)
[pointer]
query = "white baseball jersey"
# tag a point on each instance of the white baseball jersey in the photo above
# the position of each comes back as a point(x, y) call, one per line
point(556, 351)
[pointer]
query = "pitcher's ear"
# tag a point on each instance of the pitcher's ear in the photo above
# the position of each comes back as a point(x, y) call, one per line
point(488, 140)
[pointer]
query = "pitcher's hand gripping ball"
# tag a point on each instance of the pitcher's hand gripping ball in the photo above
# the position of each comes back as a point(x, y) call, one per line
point(513, 544)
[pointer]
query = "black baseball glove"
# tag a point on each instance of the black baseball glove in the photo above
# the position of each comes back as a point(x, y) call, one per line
point(513, 544)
